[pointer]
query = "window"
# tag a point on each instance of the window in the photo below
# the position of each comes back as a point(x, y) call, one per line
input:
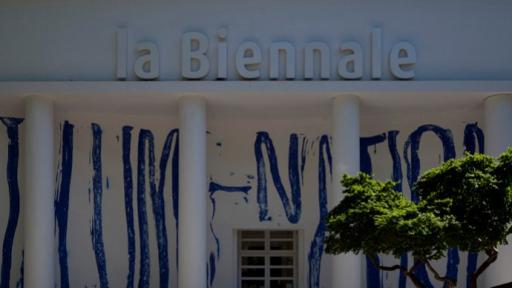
point(267, 259)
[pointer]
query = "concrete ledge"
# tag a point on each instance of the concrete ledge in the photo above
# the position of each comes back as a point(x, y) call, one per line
point(310, 97)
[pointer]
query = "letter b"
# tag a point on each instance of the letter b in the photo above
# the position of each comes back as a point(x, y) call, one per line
point(194, 62)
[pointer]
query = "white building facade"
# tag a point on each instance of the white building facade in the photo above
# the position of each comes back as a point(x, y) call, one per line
point(199, 144)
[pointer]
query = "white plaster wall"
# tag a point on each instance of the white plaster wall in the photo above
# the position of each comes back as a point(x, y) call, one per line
point(82, 265)
point(231, 162)
point(234, 161)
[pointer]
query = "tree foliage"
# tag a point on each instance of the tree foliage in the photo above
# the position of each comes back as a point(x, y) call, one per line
point(480, 190)
point(464, 203)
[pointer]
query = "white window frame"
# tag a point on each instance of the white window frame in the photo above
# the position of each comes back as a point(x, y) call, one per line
point(267, 253)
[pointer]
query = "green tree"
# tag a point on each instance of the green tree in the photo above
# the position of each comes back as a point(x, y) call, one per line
point(464, 203)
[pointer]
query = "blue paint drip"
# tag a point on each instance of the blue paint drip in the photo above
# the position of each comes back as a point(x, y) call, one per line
point(413, 171)
point(372, 273)
point(303, 155)
point(62, 201)
point(12, 125)
point(317, 244)
point(395, 157)
point(365, 160)
point(172, 136)
point(472, 135)
point(216, 238)
point(213, 188)
point(128, 203)
point(397, 177)
point(20, 283)
point(175, 162)
point(293, 210)
point(212, 269)
point(97, 229)
point(144, 268)
point(12, 180)
point(157, 200)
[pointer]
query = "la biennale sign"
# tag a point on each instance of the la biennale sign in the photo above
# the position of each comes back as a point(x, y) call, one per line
point(202, 57)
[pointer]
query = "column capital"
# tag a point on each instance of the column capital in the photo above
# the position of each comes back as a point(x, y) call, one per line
point(498, 96)
point(345, 98)
point(497, 119)
point(38, 97)
point(191, 98)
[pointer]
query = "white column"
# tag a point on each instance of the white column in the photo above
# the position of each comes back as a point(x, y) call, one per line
point(498, 137)
point(39, 194)
point(192, 238)
point(345, 268)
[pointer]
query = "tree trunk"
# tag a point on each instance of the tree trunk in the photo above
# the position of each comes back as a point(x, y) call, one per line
point(492, 256)
point(414, 280)
point(408, 273)
point(474, 282)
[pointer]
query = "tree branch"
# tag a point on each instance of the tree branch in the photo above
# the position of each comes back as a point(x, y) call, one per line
point(449, 281)
point(386, 268)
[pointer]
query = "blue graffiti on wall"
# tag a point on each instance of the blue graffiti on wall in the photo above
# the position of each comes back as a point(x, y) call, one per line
point(473, 139)
point(157, 200)
point(412, 145)
point(211, 271)
point(128, 202)
point(144, 268)
point(372, 273)
point(397, 176)
point(97, 228)
point(20, 283)
point(473, 135)
point(12, 125)
point(373, 278)
point(316, 249)
point(293, 209)
point(62, 200)
point(214, 188)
